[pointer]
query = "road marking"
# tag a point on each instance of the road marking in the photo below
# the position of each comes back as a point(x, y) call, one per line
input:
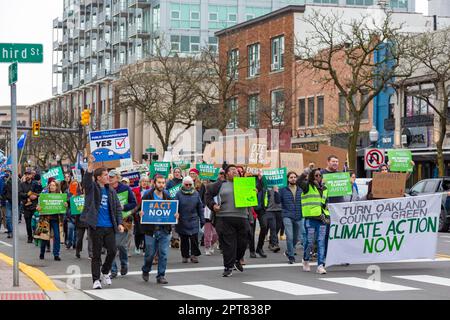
point(118, 294)
point(289, 288)
point(207, 292)
point(369, 284)
point(427, 279)
point(6, 244)
point(448, 237)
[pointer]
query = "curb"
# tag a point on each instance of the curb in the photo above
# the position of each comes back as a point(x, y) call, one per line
point(39, 277)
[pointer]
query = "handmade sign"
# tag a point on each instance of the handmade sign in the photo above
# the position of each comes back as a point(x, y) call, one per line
point(245, 192)
point(388, 185)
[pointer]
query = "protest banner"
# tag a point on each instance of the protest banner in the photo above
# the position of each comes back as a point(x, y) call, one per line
point(76, 205)
point(160, 167)
point(55, 172)
point(207, 171)
point(388, 185)
point(159, 211)
point(123, 198)
point(76, 173)
point(400, 160)
point(173, 191)
point(52, 203)
point(245, 192)
point(110, 145)
point(134, 178)
point(338, 184)
point(292, 162)
point(275, 177)
point(384, 230)
point(182, 164)
point(257, 153)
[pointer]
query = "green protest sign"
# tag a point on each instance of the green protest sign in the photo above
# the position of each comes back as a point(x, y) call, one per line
point(207, 171)
point(55, 172)
point(400, 160)
point(338, 184)
point(245, 192)
point(275, 177)
point(182, 164)
point(76, 205)
point(52, 203)
point(160, 167)
point(173, 191)
point(123, 198)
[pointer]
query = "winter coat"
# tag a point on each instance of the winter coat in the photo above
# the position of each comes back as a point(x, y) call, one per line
point(191, 211)
point(291, 207)
point(172, 183)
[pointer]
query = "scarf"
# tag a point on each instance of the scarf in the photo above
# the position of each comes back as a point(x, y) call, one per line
point(187, 191)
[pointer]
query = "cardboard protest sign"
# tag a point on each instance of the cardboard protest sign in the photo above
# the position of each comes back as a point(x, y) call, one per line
point(207, 171)
point(123, 198)
point(159, 211)
point(400, 160)
point(338, 184)
point(110, 145)
point(257, 153)
point(292, 162)
point(245, 192)
point(134, 178)
point(275, 177)
point(55, 172)
point(76, 205)
point(52, 203)
point(388, 185)
point(160, 167)
point(384, 230)
point(173, 191)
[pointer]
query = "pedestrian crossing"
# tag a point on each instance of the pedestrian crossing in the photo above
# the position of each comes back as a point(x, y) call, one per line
point(243, 290)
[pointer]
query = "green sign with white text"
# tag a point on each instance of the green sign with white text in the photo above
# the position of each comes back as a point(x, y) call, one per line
point(400, 160)
point(52, 203)
point(21, 52)
point(338, 184)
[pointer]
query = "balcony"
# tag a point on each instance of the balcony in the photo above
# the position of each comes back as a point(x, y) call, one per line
point(132, 59)
point(57, 24)
point(88, 25)
point(137, 30)
point(57, 45)
point(116, 66)
point(54, 91)
point(76, 57)
point(101, 73)
point(139, 3)
point(76, 82)
point(66, 87)
point(65, 62)
point(87, 78)
point(94, 3)
point(120, 9)
point(119, 37)
point(104, 45)
point(78, 32)
point(65, 38)
point(87, 52)
point(57, 68)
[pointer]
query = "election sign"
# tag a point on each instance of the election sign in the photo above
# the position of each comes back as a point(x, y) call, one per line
point(110, 145)
point(159, 211)
point(76, 205)
point(134, 178)
point(55, 172)
point(400, 160)
point(338, 184)
point(275, 177)
point(245, 192)
point(173, 191)
point(160, 167)
point(52, 203)
point(373, 158)
point(384, 230)
point(207, 171)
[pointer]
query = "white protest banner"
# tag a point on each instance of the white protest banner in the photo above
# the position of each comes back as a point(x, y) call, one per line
point(384, 230)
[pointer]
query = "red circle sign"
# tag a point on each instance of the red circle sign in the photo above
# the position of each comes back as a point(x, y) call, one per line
point(374, 158)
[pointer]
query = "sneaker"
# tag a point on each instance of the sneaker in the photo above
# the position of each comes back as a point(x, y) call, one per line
point(185, 260)
point(137, 251)
point(270, 247)
point(113, 275)
point(252, 255)
point(30, 240)
point(261, 253)
point(227, 273)
point(321, 269)
point(275, 248)
point(239, 266)
point(291, 260)
point(77, 255)
point(106, 279)
point(57, 258)
point(41, 256)
point(145, 276)
point(306, 266)
point(162, 280)
point(97, 284)
point(9, 236)
point(242, 261)
point(194, 259)
point(123, 270)
point(208, 252)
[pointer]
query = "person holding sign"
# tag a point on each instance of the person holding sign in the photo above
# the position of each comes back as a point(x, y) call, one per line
point(232, 223)
point(144, 186)
point(103, 214)
point(51, 212)
point(157, 236)
point(176, 180)
point(317, 218)
point(191, 212)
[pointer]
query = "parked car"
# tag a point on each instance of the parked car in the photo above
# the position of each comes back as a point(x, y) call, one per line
point(438, 185)
point(363, 187)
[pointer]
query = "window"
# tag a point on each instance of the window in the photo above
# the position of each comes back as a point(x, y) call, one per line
point(320, 114)
point(233, 64)
point(175, 43)
point(253, 112)
point(277, 62)
point(342, 109)
point(212, 44)
point(277, 100)
point(232, 17)
point(311, 112)
point(418, 188)
point(302, 113)
point(185, 44)
point(250, 17)
point(431, 186)
point(175, 15)
point(253, 60)
point(195, 44)
point(195, 15)
point(232, 106)
point(391, 107)
point(213, 16)
point(156, 18)
point(360, 2)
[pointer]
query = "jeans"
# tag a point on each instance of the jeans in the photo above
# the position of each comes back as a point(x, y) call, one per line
point(294, 230)
point(71, 235)
point(233, 238)
point(9, 217)
point(316, 230)
point(54, 225)
point(122, 248)
point(158, 242)
point(102, 237)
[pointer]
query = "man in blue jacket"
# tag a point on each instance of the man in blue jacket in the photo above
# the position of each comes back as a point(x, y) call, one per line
point(122, 238)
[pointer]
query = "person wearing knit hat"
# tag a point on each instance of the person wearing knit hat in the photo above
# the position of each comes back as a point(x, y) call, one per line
point(194, 170)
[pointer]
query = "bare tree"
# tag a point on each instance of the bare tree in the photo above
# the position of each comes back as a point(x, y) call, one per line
point(334, 40)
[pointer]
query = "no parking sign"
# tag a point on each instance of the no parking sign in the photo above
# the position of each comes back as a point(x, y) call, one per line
point(373, 158)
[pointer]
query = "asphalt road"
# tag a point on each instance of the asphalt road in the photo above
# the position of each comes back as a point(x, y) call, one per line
point(263, 278)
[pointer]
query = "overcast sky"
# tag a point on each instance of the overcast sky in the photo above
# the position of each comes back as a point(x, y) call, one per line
point(30, 21)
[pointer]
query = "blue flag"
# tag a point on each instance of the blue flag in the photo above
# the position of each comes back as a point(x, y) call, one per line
point(21, 142)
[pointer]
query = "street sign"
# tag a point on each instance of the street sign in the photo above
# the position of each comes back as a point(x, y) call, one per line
point(150, 150)
point(21, 52)
point(12, 73)
point(373, 158)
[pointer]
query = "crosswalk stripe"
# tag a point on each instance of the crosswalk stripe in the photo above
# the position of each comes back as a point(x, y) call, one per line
point(207, 292)
point(427, 279)
point(118, 294)
point(369, 284)
point(289, 287)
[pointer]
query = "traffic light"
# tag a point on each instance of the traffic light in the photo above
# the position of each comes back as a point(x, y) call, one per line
point(36, 129)
point(85, 117)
